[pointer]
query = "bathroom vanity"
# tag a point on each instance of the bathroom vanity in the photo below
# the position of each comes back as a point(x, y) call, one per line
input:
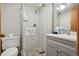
point(61, 45)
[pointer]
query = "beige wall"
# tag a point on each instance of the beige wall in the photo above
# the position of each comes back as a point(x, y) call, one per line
point(10, 18)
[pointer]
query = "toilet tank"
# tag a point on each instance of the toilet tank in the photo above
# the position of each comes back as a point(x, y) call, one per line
point(10, 42)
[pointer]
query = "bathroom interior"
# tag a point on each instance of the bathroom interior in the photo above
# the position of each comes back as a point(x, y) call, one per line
point(38, 29)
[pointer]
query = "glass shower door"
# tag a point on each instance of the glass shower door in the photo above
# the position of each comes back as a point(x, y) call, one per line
point(30, 30)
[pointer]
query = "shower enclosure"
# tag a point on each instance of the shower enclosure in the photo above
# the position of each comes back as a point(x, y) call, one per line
point(30, 32)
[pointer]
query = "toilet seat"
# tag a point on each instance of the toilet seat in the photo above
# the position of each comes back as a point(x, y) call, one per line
point(10, 52)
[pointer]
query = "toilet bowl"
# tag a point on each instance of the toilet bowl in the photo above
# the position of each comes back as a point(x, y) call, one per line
point(13, 51)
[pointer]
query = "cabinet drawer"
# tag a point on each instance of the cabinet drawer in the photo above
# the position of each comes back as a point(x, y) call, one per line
point(67, 49)
point(52, 44)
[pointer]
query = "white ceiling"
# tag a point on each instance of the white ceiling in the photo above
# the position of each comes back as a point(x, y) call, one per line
point(37, 4)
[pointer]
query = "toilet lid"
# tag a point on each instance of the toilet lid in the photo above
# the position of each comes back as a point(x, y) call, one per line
point(10, 52)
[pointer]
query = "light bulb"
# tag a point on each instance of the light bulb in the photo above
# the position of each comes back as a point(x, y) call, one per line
point(61, 7)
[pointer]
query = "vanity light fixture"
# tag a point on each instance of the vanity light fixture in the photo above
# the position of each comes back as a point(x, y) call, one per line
point(61, 7)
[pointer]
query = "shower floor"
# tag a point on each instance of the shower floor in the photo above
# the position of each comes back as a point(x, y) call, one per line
point(33, 53)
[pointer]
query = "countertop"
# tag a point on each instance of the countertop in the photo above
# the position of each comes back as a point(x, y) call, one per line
point(64, 36)
point(10, 38)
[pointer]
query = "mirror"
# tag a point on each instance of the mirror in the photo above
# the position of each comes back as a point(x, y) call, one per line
point(66, 14)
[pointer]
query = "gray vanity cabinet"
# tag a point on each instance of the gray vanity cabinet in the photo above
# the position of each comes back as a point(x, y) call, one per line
point(51, 48)
point(60, 47)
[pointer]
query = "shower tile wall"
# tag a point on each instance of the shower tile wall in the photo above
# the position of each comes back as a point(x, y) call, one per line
point(30, 41)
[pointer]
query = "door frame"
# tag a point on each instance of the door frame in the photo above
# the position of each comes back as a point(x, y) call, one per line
point(77, 42)
point(0, 18)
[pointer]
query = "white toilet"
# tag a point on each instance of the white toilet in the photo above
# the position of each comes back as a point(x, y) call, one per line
point(10, 52)
point(9, 46)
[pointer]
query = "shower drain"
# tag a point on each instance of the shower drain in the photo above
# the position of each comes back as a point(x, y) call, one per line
point(42, 52)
